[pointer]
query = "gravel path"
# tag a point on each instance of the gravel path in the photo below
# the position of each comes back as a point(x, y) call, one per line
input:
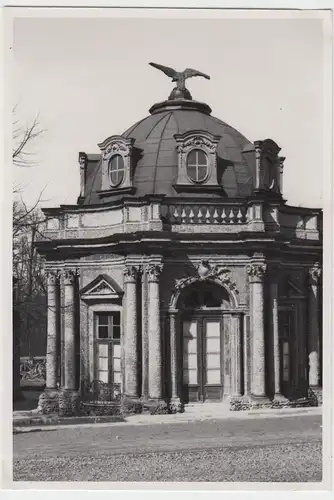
point(279, 463)
point(279, 450)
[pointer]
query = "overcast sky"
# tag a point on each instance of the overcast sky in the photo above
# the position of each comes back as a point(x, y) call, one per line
point(89, 78)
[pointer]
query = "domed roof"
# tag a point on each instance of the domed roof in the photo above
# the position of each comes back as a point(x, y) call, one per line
point(155, 172)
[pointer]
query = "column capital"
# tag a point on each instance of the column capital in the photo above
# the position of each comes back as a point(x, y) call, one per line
point(70, 275)
point(256, 271)
point(131, 273)
point(52, 276)
point(153, 272)
point(314, 274)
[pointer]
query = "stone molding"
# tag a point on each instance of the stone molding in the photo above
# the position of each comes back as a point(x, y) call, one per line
point(70, 275)
point(256, 272)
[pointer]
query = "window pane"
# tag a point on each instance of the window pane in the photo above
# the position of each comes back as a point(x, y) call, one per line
point(202, 171)
point(117, 377)
point(192, 361)
point(192, 172)
point(192, 157)
point(103, 350)
point(213, 345)
point(213, 377)
point(116, 332)
point(192, 376)
point(201, 157)
point(117, 364)
point(117, 350)
point(116, 318)
point(213, 329)
point(103, 364)
point(103, 318)
point(213, 360)
point(103, 376)
point(103, 332)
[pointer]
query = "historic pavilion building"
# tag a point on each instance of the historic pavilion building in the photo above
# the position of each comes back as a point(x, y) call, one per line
point(181, 274)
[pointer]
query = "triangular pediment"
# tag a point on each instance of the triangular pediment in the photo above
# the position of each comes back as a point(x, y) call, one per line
point(101, 287)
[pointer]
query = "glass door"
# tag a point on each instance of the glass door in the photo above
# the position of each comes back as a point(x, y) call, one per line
point(202, 359)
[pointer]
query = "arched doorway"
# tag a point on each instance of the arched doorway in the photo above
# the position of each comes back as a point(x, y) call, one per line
point(205, 341)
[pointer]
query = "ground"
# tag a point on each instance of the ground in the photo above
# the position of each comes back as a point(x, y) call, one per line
point(257, 449)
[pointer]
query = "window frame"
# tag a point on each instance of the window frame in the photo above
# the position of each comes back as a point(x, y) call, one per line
point(197, 165)
point(110, 341)
point(118, 170)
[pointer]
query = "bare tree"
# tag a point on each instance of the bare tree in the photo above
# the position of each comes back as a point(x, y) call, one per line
point(23, 137)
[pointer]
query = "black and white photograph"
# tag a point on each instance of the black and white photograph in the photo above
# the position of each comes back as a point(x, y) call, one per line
point(167, 246)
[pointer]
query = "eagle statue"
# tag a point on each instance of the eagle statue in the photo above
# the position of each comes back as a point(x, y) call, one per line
point(180, 78)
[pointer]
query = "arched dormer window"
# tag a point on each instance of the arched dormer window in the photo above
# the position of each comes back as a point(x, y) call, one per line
point(117, 165)
point(116, 170)
point(197, 165)
point(197, 161)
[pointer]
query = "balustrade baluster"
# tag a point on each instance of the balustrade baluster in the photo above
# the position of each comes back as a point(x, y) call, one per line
point(191, 216)
point(223, 216)
point(215, 216)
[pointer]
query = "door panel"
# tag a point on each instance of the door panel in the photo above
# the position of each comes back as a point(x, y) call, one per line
point(202, 359)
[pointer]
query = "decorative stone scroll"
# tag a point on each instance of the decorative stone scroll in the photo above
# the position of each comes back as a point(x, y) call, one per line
point(70, 275)
point(131, 274)
point(256, 271)
point(206, 272)
point(153, 272)
point(315, 274)
point(53, 276)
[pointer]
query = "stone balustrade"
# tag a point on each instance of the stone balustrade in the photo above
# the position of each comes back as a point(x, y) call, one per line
point(204, 214)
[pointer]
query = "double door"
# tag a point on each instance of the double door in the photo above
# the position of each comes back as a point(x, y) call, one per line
point(202, 358)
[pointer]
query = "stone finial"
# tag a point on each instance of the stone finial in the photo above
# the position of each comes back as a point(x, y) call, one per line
point(70, 275)
point(131, 274)
point(83, 164)
point(315, 274)
point(52, 276)
point(256, 271)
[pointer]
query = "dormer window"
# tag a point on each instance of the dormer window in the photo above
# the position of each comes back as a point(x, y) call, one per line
point(116, 170)
point(197, 165)
point(197, 161)
point(117, 165)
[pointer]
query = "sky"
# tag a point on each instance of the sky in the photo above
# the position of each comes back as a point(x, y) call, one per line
point(89, 78)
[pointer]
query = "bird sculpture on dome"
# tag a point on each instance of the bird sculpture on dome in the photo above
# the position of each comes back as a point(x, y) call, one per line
point(180, 91)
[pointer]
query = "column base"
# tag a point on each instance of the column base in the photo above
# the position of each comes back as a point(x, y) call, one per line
point(156, 407)
point(69, 403)
point(314, 394)
point(279, 398)
point(48, 402)
point(175, 406)
point(131, 405)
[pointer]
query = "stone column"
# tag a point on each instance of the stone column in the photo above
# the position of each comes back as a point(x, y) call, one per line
point(144, 319)
point(273, 295)
point(51, 343)
point(236, 355)
point(173, 356)
point(70, 276)
point(154, 332)
point(313, 334)
point(130, 333)
point(256, 272)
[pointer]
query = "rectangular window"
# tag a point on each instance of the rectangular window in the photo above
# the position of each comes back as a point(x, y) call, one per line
point(108, 349)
